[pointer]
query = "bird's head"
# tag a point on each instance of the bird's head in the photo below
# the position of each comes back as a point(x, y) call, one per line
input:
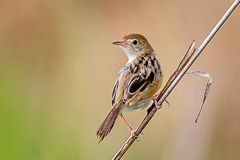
point(134, 45)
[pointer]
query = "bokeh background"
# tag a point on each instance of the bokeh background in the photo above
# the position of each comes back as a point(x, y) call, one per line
point(58, 67)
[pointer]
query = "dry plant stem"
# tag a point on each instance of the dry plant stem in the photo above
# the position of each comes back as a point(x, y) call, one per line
point(174, 79)
point(207, 90)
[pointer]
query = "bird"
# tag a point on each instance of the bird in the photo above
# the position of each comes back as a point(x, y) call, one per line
point(136, 82)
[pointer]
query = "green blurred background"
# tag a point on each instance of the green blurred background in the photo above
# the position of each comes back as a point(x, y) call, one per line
point(58, 67)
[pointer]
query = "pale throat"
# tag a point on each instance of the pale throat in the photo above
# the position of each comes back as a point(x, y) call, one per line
point(131, 56)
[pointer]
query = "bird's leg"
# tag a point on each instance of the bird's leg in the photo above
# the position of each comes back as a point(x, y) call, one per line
point(132, 131)
point(156, 104)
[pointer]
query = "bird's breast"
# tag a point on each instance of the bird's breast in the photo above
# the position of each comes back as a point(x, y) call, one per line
point(130, 108)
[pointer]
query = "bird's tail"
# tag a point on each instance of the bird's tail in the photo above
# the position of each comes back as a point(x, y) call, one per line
point(107, 125)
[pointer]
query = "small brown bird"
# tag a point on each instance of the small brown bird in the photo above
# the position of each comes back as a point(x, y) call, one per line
point(136, 82)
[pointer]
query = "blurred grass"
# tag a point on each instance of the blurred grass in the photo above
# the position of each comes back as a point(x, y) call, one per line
point(58, 67)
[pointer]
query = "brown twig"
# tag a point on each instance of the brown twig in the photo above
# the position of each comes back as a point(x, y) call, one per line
point(184, 65)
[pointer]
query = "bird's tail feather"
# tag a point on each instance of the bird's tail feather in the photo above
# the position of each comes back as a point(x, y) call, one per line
point(107, 125)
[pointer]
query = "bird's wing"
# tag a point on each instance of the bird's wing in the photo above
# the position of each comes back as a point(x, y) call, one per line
point(138, 83)
point(121, 84)
point(132, 81)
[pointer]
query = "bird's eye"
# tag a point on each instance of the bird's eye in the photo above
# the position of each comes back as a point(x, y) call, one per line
point(135, 42)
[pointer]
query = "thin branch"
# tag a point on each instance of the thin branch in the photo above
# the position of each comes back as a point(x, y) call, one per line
point(184, 65)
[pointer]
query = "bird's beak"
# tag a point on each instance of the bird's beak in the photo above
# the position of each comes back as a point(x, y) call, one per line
point(120, 43)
